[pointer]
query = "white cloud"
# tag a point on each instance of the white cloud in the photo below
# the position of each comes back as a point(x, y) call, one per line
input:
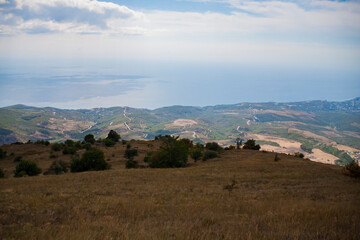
point(69, 16)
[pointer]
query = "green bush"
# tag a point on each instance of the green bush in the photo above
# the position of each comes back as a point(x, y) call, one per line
point(69, 142)
point(172, 153)
point(2, 153)
point(250, 144)
point(28, 167)
point(70, 150)
point(209, 154)
point(56, 147)
point(214, 146)
point(196, 154)
point(131, 163)
point(147, 156)
point(109, 142)
point(2, 174)
point(92, 159)
point(352, 169)
point(17, 159)
point(130, 153)
point(58, 167)
point(89, 139)
point(113, 136)
point(42, 142)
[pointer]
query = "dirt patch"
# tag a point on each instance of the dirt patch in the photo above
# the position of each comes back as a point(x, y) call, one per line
point(346, 148)
point(323, 157)
point(183, 122)
point(283, 142)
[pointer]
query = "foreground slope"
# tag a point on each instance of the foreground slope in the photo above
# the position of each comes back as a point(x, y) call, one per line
point(289, 199)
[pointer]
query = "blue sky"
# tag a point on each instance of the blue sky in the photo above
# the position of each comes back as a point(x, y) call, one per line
point(85, 54)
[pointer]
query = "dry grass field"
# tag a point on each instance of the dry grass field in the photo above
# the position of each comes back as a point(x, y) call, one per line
point(288, 199)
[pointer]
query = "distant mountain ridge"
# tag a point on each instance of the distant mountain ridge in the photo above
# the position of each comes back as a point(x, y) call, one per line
point(316, 123)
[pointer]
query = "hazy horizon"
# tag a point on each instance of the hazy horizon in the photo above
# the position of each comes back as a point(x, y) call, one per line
point(150, 54)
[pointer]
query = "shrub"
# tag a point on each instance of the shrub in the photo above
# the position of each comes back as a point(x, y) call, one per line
point(92, 159)
point(58, 167)
point(28, 167)
point(52, 155)
point(87, 146)
point(231, 147)
point(300, 155)
point(147, 156)
point(352, 169)
point(172, 153)
point(89, 139)
point(130, 153)
point(109, 142)
point(56, 147)
point(196, 154)
point(2, 153)
point(276, 158)
point(209, 154)
point(123, 142)
point(213, 146)
point(250, 144)
point(2, 174)
point(17, 158)
point(69, 142)
point(131, 163)
point(70, 150)
point(42, 142)
point(113, 136)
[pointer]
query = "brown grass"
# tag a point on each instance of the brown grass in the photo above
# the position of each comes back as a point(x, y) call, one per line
point(288, 199)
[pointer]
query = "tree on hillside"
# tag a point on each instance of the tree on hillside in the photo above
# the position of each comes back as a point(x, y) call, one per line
point(250, 144)
point(92, 159)
point(113, 136)
point(89, 139)
point(172, 153)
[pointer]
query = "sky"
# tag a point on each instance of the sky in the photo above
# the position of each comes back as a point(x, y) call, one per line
point(89, 53)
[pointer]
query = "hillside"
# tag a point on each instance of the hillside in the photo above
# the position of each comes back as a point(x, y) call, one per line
point(324, 131)
point(292, 198)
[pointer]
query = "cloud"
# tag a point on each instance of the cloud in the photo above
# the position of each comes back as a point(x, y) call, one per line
point(80, 16)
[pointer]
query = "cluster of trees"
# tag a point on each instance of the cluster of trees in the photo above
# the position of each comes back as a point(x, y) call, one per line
point(173, 153)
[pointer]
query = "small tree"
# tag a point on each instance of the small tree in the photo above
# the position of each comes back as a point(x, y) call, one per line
point(89, 139)
point(196, 154)
point(2, 153)
point(109, 142)
point(130, 153)
point(2, 174)
point(26, 168)
point(250, 144)
point(214, 146)
point(172, 153)
point(58, 167)
point(113, 136)
point(131, 163)
point(92, 159)
point(209, 154)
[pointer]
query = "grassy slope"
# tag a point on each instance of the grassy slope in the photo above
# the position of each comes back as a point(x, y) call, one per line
point(289, 199)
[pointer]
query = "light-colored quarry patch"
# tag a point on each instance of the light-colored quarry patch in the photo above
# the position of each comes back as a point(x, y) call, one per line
point(182, 123)
point(320, 156)
point(283, 142)
point(346, 148)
